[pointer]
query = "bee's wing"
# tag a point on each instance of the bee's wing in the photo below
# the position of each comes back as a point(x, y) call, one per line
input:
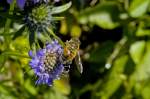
point(78, 62)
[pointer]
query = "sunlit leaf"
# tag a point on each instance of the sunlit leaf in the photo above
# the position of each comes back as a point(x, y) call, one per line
point(59, 9)
point(140, 78)
point(138, 7)
point(105, 15)
point(143, 69)
point(142, 30)
point(137, 50)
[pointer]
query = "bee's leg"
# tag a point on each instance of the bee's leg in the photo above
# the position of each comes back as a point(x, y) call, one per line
point(66, 68)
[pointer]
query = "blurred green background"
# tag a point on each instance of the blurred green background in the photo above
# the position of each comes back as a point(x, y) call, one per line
point(115, 53)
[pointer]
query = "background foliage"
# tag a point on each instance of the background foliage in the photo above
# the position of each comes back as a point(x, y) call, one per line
point(115, 52)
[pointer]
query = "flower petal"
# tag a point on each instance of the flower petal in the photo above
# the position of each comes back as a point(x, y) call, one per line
point(21, 3)
point(9, 1)
point(30, 53)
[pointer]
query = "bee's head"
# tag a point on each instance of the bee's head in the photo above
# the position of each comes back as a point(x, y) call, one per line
point(75, 40)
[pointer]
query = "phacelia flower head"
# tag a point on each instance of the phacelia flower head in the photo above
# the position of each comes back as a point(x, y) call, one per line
point(47, 63)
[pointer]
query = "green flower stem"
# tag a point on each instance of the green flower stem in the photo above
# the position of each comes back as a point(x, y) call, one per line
point(47, 35)
point(38, 45)
point(57, 18)
point(7, 24)
point(11, 53)
point(33, 48)
point(55, 36)
point(116, 51)
point(36, 41)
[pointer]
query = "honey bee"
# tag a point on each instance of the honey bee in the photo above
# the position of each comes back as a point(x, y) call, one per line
point(71, 51)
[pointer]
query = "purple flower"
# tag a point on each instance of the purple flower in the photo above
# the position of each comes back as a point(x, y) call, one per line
point(21, 3)
point(47, 63)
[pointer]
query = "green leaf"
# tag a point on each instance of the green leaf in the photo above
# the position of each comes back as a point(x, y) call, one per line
point(137, 50)
point(56, 10)
point(19, 32)
point(31, 89)
point(139, 80)
point(145, 90)
point(138, 7)
point(143, 69)
point(114, 79)
point(142, 29)
point(143, 32)
point(14, 53)
point(105, 15)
